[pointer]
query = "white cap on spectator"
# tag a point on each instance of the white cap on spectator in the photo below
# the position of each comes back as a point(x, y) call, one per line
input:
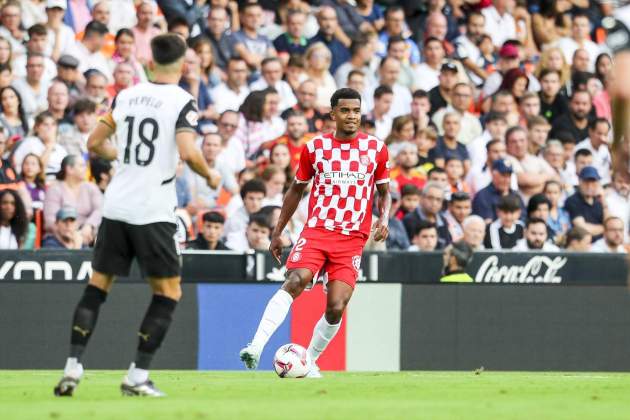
point(50, 4)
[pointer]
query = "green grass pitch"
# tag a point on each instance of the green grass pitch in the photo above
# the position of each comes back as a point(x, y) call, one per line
point(262, 395)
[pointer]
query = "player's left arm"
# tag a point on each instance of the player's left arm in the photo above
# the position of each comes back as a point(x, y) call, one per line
point(381, 179)
point(98, 140)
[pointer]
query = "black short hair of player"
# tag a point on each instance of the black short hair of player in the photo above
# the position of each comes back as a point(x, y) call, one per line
point(382, 90)
point(534, 221)
point(424, 225)
point(410, 189)
point(95, 28)
point(213, 217)
point(344, 93)
point(167, 48)
point(509, 203)
point(259, 219)
point(253, 185)
point(536, 201)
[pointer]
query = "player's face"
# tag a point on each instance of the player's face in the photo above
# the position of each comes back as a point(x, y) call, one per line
point(461, 209)
point(347, 116)
point(427, 239)
point(212, 231)
point(614, 232)
point(536, 235)
point(253, 201)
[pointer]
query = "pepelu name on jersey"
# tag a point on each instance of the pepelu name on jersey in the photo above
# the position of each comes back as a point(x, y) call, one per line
point(344, 177)
point(149, 101)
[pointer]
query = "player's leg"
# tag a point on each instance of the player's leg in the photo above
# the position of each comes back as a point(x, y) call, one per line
point(275, 312)
point(111, 258)
point(157, 320)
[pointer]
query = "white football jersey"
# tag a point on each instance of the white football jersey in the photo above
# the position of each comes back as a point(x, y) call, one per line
point(147, 116)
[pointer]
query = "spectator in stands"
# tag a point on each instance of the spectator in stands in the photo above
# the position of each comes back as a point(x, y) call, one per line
point(36, 44)
point(586, 207)
point(397, 49)
point(101, 12)
point(65, 234)
point(88, 50)
point(537, 132)
point(179, 25)
point(67, 72)
point(551, 22)
point(539, 206)
point(232, 151)
point(397, 238)
point(529, 107)
point(182, 189)
point(306, 95)
point(124, 53)
point(211, 75)
point(254, 237)
point(461, 99)
point(618, 200)
point(500, 23)
point(259, 121)
point(192, 83)
point(275, 180)
point(409, 200)
point(58, 101)
point(361, 53)
point(447, 145)
point(426, 139)
point(295, 137)
point(123, 79)
point(558, 219)
point(474, 229)
point(272, 72)
point(406, 170)
point(532, 171)
point(577, 119)
point(536, 238)
point(234, 90)
point(279, 156)
point(427, 73)
point(480, 176)
point(578, 240)
point(209, 239)
point(248, 43)
point(318, 68)
point(6, 54)
point(402, 132)
point(72, 190)
point(96, 90)
point(579, 39)
point(456, 258)
point(33, 89)
point(612, 242)
point(144, 30)
point(6, 75)
point(74, 140)
point(420, 109)
point(372, 13)
point(61, 38)
point(496, 126)
point(219, 36)
point(516, 82)
point(293, 40)
point(508, 60)
point(13, 220)
point(429, 210)
point(252, 193)
point(395, 26)
point(454, 168)
point(459, 208)
point(328, 34)
point(440, 95)
point(383, 98)
point(467, 48)
point(507, 230)
point(486, 200)
point(44, 144)
point(425, 237)
point(11, 29)
point(32, 175)
point(597, 143)
point(8, 177)
point(13, 118)
point(553, 102)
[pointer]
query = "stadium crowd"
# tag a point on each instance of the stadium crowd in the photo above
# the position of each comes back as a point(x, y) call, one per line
point(495, 113)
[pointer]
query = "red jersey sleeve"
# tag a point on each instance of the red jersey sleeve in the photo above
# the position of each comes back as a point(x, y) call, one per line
point(381, 173)
point(305, 169)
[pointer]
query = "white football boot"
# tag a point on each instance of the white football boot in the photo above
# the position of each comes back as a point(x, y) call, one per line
point(250, 355)
point(314, 372)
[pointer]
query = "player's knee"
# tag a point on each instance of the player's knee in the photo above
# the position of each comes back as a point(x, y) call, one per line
point(334, 310)
point(169, 289)
point(294, 284)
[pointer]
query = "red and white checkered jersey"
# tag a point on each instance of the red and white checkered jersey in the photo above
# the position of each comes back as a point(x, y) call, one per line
point(344, 173)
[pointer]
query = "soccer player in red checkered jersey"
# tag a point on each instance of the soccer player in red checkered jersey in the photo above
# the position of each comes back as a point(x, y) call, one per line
point(345, 166)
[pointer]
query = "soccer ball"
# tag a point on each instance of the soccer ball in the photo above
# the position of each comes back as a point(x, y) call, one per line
point(291, 361)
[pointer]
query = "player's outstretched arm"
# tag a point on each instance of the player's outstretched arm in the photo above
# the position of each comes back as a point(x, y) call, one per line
point(384, 204)
point(289, 205)
point(98, 140)
point(190, 153)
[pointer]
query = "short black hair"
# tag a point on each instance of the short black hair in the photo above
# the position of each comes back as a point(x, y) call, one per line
point(462, 252)
point(253, 185)
point(431, 39)
point(393, 9)
point(213, 217)
point(410, 189)
point(535, 201)
point(343, 93)
point(459, 196)
point(177, 21)
point(582, 152)
point(395, 39)
point(382, 90)
point(424, 225)
point(492, 143)
point(37, 29)
point(547, 71)
point(95, 28)
point(124, 31)
point(435, 170)
point(509, 203)
point(420, 93)
point(358, 44)
point(99, 167)
point(592, 125)
point(167, 48)
point(259, 219)
point(84, 105)
point(534, 221)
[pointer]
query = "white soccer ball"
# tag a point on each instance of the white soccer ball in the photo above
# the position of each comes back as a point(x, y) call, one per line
point(291, 361)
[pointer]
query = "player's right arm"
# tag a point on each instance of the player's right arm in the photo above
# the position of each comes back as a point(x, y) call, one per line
point(98, 140)
point(190, 153)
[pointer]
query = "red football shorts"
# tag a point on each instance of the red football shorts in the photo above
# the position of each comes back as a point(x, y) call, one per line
point(321, 250)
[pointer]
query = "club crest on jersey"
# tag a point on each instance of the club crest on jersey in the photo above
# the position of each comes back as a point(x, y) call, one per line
point(365, 160)
point(192, 117)
point(356, 262)
point(296, 257)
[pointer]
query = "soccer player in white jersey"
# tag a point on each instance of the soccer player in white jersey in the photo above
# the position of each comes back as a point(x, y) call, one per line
point(155, 125)
point(345, 166)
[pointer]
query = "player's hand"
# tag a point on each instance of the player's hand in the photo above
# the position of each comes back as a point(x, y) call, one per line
point(381, 231)
point(275, 247)
point(214, 179)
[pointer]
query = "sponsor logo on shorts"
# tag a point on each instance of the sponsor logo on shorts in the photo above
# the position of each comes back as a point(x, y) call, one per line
point(296, 257)
point(356, 262)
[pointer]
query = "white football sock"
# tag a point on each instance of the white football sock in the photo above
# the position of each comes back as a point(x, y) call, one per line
point(322, 334)
point(73, 368)
point(275, 313)
point(136, 375)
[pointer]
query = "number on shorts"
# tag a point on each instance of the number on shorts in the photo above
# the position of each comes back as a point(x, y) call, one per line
point(299, 245)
